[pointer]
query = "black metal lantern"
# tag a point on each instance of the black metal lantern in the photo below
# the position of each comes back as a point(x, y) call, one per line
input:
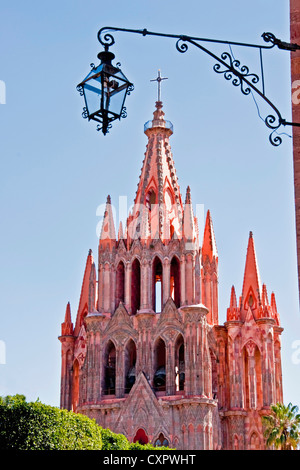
point(104, 90)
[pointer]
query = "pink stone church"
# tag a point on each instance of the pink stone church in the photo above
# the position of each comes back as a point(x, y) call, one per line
point(146, 356)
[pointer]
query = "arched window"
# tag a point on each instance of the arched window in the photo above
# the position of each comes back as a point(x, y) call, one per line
point(120, 283)
point(179, 364)
point(141, 437)
point(159, 380)
point(135, 286)
point(150, 199)
point(110, 369)
point(254, 442)
point(75, 385)
point(161, 441)
point(130, 360)
point(175, 281)
point(252, 378)
point(235, 443)
point(157, 285)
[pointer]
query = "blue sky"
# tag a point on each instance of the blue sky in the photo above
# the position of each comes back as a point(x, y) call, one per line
point(57, 170)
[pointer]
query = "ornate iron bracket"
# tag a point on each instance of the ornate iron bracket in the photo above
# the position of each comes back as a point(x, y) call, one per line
point(227, 65)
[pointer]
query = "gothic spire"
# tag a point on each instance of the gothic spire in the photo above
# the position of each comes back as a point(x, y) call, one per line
point(108, 226)
point(84, 300)
point(252, 290)
point(67, 325)
point(274, 309)
point(189, 230)
point(209, 246)
point(158, 189)
point(232, 311)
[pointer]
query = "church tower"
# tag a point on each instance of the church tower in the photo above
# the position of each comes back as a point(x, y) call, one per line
point(147, 357)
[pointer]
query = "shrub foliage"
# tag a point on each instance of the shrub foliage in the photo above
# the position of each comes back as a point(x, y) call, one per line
point(35, 426)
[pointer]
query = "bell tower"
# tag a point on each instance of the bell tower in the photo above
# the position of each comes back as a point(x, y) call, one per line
point(147, 357)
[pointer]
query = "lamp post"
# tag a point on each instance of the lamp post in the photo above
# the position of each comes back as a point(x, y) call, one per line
point(104, 103)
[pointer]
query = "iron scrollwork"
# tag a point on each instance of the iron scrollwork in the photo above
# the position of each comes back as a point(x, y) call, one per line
point(181, 45)
point(228, 66)
point(130, 89)
point(85, 113)
point(124, 112)
point(241, 74)
point(80, 89)
point(274, 123)
point(104, 125)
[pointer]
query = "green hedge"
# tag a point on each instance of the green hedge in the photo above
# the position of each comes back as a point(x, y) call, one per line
point(113, 441)
point(35, 426)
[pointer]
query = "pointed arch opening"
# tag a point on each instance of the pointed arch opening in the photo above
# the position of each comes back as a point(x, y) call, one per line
point(236, 443)
point(159, 379)
point(175, 281)
point(250, 300)
point(120, 283)
point(135, 286)
point(141, 437)
point(179, 364)
point(130, 361)
point(252, 377)
point(150, 199)
point(157, 285)
point(75, 386)
point(110, 369)
point(254, 443)
point(161, 441)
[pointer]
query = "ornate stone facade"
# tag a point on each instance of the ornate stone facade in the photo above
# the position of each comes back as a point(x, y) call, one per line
point(147, 357)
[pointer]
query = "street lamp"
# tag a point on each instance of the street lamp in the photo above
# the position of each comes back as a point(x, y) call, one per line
point(106, 87)
point(104, 90)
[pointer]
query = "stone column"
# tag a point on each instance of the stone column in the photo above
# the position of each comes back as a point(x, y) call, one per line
point(189, 287)
point(182, 280)
point(234, 361)
point(66, 376)
point(197, 357)
point(215, 301)
point(170, 367)
point(90, 363)
point(267, 361)
point(98, 368)
point(128, 286)
point(166, 280)
point(146, 285)
point(106, 288)
point(144, 325)
point(94, 363)
point(252, 380)
point(100, 288)
point(208, 296)
point(112, 293)
point(120, 374)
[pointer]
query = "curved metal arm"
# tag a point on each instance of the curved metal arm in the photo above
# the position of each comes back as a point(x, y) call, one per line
point(232, 69)
point(108, 39)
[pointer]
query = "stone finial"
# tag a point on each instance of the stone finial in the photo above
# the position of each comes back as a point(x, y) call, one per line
point(209, 246)
point(67, 325)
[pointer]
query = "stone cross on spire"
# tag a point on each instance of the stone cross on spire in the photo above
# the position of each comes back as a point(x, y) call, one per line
point(158, 80)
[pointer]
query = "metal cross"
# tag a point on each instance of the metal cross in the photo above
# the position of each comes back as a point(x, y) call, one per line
point(158, 80)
